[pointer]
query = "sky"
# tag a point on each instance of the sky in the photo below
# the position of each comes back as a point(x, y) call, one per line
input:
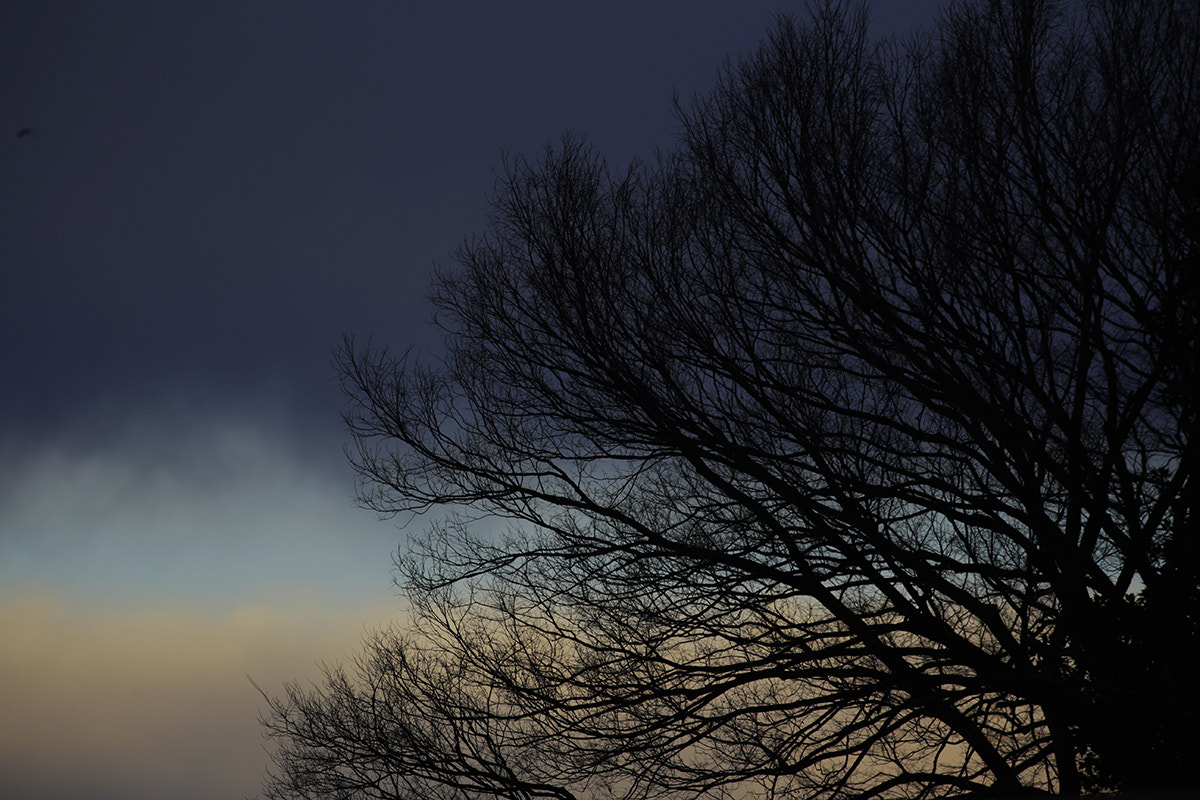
point(197, 201)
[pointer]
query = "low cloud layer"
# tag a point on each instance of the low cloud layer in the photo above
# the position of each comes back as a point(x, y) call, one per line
point(184, 502)
point(148, 562)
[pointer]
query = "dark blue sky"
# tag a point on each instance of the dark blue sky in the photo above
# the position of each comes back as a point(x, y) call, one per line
point(213, 192)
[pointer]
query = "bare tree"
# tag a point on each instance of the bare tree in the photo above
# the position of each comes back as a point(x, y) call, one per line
point(845, 451)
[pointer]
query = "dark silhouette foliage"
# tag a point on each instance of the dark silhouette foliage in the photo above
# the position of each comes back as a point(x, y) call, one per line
point(845, 451)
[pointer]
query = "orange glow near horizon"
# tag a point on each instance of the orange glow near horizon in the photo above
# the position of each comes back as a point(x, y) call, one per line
point(96, 698)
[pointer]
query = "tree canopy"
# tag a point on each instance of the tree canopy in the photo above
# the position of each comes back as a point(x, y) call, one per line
point(846, 450)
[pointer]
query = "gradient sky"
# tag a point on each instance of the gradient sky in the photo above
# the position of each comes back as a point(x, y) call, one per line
point(211, 194)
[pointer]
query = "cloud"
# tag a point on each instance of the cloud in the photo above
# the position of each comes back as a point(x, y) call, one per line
point(149, 560)
point(109, 701)
point(209, 506)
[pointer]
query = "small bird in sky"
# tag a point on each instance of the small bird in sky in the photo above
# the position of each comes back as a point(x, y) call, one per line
point(24, 132)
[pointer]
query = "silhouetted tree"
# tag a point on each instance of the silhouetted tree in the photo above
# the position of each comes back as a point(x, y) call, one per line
point(846, 451)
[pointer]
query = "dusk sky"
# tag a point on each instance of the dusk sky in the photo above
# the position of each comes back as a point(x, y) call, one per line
point(197, 200)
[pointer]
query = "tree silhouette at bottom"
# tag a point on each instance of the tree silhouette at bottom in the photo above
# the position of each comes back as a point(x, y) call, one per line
point(844, 451)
